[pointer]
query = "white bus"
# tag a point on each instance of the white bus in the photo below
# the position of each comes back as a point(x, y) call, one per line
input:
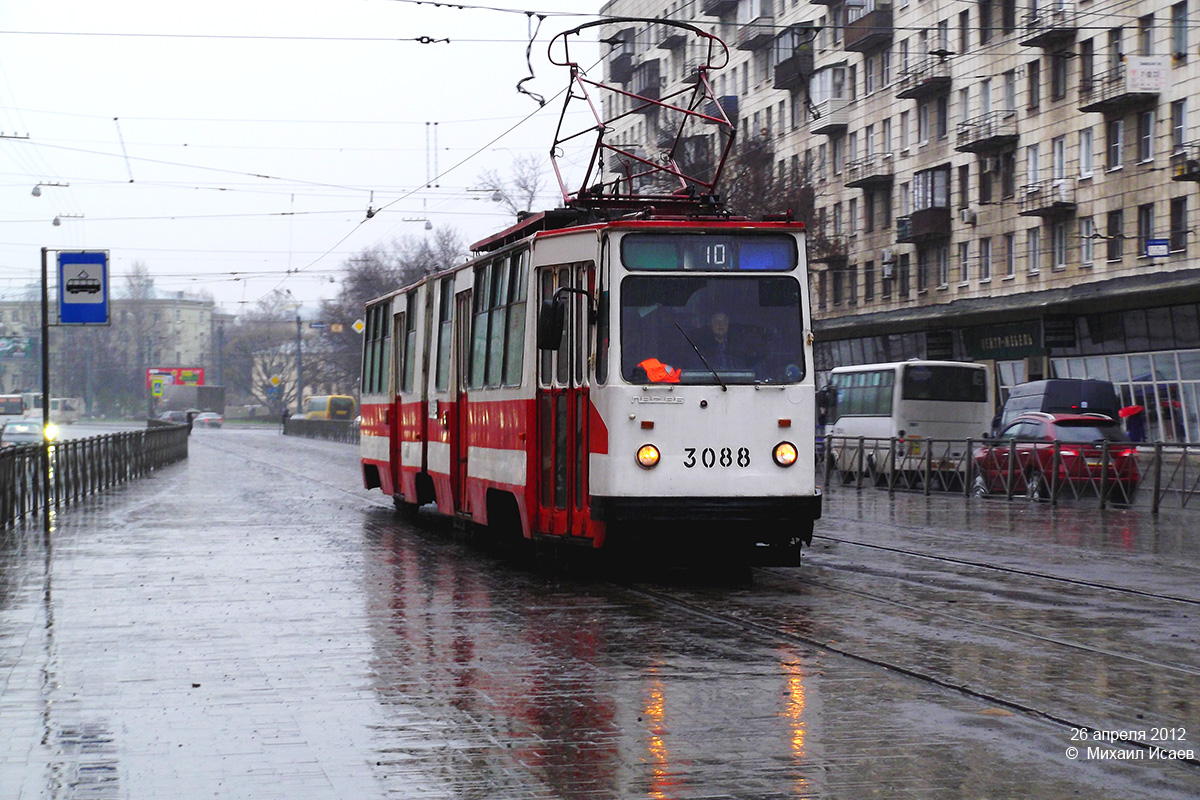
point(12, 408)
point(910, 415)
point(63, 410)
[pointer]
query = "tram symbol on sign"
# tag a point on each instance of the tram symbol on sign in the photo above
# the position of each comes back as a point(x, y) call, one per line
point(83, 284)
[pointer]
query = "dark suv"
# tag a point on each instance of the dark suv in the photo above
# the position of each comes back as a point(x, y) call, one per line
point(1039, 453)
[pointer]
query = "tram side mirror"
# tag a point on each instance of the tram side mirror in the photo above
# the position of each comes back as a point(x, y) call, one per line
point(552, 319)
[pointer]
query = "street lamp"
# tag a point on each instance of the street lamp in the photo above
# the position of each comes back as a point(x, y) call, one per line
point(37, 189)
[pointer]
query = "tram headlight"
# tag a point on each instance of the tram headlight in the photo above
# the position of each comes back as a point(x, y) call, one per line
point(647, 456)
point(785, 454)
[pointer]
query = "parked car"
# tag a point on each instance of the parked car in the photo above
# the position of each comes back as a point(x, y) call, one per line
point(1022, 458)
point(207, 419)
point(21, 432)
point(1060, 396)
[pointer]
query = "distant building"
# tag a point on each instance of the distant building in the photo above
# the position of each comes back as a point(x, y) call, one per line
point(1012, 184)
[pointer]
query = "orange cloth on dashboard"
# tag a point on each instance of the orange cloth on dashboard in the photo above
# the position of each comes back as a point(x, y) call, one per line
point(659, 372)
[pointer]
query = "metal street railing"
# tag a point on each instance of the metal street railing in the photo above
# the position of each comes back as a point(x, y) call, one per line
point(1153, 474)
point(82, 467)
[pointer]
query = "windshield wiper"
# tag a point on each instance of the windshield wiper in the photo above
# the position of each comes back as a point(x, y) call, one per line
point(703, 360)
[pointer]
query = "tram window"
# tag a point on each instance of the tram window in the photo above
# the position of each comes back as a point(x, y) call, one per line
point(498, 294)
point(562, 374)
point(602, 338)
point(479, 326)
point(514, 330)
point(672, 321)
point(375, 349)
point(410, 344)
point(445, 331)
point(545, 292)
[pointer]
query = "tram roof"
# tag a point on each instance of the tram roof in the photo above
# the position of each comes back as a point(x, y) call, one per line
point(561, 218)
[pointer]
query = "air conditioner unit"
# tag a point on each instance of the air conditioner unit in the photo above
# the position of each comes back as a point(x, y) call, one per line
point(887, 256)
point(887, 269)
point(991, 164)
point(967, 216)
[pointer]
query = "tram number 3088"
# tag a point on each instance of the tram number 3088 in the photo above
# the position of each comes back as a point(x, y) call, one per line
point(710, 457)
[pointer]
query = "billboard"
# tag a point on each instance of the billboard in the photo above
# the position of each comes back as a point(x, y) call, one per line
point(193, 376)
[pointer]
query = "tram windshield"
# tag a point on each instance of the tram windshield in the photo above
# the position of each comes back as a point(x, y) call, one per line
point(710, 330)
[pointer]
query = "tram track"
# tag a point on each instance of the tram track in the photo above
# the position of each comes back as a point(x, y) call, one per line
point(1126, 590)
point(1011, 704)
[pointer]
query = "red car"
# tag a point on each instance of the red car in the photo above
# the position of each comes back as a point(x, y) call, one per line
point(1021, 459)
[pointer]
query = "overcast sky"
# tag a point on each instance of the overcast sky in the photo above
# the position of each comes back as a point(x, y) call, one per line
point(235, 147)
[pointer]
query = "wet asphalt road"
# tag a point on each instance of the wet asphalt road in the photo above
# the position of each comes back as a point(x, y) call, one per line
point(252, 624)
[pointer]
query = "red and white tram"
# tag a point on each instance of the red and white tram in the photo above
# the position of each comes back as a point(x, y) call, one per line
point(594, 371)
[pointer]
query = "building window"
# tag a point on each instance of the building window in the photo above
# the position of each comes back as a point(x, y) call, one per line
point(1010, 255)
point(931, 188)
point(1032, 161)
point(964, 197)
point(902, 270)
point(1033, 250)
point(838, 281)
point(985, 259)
point(1178, 125)
point(1115, 235)
point(943, 265)
point(1008, 173)
point(1179, 31)
point(1145, 227)
point(904, 129)
point(1087, 249)
point(923, 122)
point(985, 21)
point(1058, 76)
point(822, 290)
point(964, 262)
point(1034, 88)
point(1085, 153)
point(1087, 66)
point(852, 283)
point(1115, 129)
point(1058, 246)
point(1179, 225)
point(923, 270)
point(943, 116)
point(1146, 35)
point(1146, 136)
point(868, 281)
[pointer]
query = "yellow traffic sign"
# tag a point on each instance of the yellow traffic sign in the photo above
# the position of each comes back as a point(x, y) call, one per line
point(358, 326)
point(276, 380)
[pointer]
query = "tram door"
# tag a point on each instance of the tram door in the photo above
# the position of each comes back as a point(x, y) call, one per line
point(458, 429)
point(562, 410)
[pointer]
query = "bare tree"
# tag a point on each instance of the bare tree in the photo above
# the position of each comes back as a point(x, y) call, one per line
point(262, 346)
point(521, 191)
point(336, 360)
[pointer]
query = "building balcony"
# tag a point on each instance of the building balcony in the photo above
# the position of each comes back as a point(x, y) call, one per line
point(832, 249)
point(1185, 165)
point(718, 8)
point(994, 130)
point(832, 117)
point(1050, 27)
point(756, 34)
point(620, 67)
point(1122, 89)
point(871, 31)
point(924, 225)
point(792, 73)
point(1054, 198)
point(671, 38)
point(928, 77)
point(646, 81)
point(727, 103)
point(867, 173)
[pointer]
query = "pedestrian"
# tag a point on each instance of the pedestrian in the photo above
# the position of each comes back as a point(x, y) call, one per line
point(283, 419)
point(1135, 422)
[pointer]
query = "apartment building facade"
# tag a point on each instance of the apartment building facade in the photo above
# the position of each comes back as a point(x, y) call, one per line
point(1005, 181)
